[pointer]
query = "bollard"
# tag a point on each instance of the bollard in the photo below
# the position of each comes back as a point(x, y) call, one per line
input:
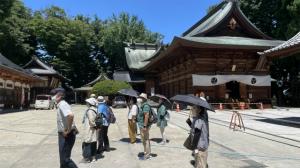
point(221, 106)
point(261, 106)
point(177, 108)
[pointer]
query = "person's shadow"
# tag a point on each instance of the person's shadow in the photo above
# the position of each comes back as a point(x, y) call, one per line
point(127, 140)
point(141, 154)
point(158, 140)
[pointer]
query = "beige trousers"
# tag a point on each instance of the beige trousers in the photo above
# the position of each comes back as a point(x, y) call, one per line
point(131, 131)
point(201, 159)
point(146, 142)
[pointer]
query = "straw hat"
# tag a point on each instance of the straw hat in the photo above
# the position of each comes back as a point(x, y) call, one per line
point(93, 95)
point(143, 96)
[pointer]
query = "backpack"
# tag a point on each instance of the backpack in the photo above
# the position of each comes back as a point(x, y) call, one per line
point(98, 119)
point(152, 116)
point(112, 117)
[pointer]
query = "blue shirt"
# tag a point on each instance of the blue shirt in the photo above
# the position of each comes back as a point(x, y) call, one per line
point(103, 109)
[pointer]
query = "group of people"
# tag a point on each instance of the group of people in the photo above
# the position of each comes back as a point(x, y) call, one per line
point(67, 129)
point(94, 133)
point(139, 119)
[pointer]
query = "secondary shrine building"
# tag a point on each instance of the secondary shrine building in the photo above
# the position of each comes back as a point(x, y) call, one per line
point(218, 55)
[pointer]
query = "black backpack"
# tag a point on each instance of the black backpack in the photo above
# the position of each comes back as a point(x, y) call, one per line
point(98, 119)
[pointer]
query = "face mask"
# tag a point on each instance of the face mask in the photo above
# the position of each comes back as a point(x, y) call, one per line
point(53, 98)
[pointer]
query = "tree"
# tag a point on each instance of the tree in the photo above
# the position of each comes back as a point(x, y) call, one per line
point(120, 29)
point(16, 42)
point(109, 87)
point(66, 44)
point(5, 7)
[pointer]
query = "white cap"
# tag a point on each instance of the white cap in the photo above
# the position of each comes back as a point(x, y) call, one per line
point(93, 95)
point(100, 99)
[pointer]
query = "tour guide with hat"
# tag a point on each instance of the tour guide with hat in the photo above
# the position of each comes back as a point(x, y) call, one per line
point(143, 119)
point(65, 127)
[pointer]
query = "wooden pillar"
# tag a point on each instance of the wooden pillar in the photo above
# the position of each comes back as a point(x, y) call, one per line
point(243, 91)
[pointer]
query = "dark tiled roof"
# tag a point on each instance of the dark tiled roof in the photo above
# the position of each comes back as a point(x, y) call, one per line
point(127, 77)
point(217, 16)
point(6, 63)
point(101, 77)
point(294, 41)
point(137, 53)
point(42, 69)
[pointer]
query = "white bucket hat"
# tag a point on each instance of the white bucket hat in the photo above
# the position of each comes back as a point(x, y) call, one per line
point(100, 99)
point(91, 101)
point(143, 95)
point(93, 95)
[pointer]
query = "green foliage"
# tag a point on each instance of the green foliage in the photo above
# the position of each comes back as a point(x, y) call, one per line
point(79, 47)
point(5, 7)
point(16, 42)
point(109, 87)
point(119, 29)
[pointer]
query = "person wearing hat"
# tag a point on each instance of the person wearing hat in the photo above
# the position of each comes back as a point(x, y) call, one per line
point(89, 145)
point(103, 140)
point(66, 128)
point(143, 123)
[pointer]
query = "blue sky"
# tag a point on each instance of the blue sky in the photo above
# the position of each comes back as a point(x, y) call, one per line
point(168, 17)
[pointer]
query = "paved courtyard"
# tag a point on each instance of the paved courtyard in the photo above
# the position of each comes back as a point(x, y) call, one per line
point(29, 140)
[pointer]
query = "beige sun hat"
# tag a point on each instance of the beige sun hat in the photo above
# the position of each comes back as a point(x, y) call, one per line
point(143, 95)
point(91, 101)
point(93, 95)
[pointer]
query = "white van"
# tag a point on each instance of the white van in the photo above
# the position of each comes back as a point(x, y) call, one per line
point(43, 102)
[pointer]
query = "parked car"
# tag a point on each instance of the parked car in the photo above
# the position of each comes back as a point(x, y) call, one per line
point(43, 102)
point(119, 101)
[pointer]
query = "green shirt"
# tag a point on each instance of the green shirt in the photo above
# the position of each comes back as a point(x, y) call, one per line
point(161, 111)
point(145, 108)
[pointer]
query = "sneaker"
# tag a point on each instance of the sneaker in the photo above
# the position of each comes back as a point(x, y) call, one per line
point(162, 143)
point(145, 158)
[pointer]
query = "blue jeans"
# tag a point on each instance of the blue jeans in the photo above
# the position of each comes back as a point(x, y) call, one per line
point(65, 145)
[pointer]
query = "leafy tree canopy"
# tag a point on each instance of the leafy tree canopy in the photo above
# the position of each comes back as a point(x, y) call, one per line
point(109, 87)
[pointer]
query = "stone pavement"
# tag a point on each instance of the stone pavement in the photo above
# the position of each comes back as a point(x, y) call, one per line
point(29, 140)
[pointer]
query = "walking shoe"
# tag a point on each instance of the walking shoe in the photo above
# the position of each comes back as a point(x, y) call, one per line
point(162, 143)
point(145, 158)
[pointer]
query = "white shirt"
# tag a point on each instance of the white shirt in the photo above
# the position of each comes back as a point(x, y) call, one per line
point(63, 110)
point(132, 111)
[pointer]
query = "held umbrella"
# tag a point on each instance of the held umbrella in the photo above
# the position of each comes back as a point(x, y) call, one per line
point(129, 92)
point(192, 100)
point(156, 98)
point(57, 90)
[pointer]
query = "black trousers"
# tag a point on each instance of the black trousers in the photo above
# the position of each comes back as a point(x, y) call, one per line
point(103, 139)
point(65, 149)
point(89, 150)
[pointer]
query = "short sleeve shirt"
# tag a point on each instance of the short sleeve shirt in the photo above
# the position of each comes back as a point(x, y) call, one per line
point(132, 111)
point(63, 110)
point(145, 108)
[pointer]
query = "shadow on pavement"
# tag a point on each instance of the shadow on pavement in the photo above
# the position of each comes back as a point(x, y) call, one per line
point(141, 154)
point(127, 140)
point(284, 123)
